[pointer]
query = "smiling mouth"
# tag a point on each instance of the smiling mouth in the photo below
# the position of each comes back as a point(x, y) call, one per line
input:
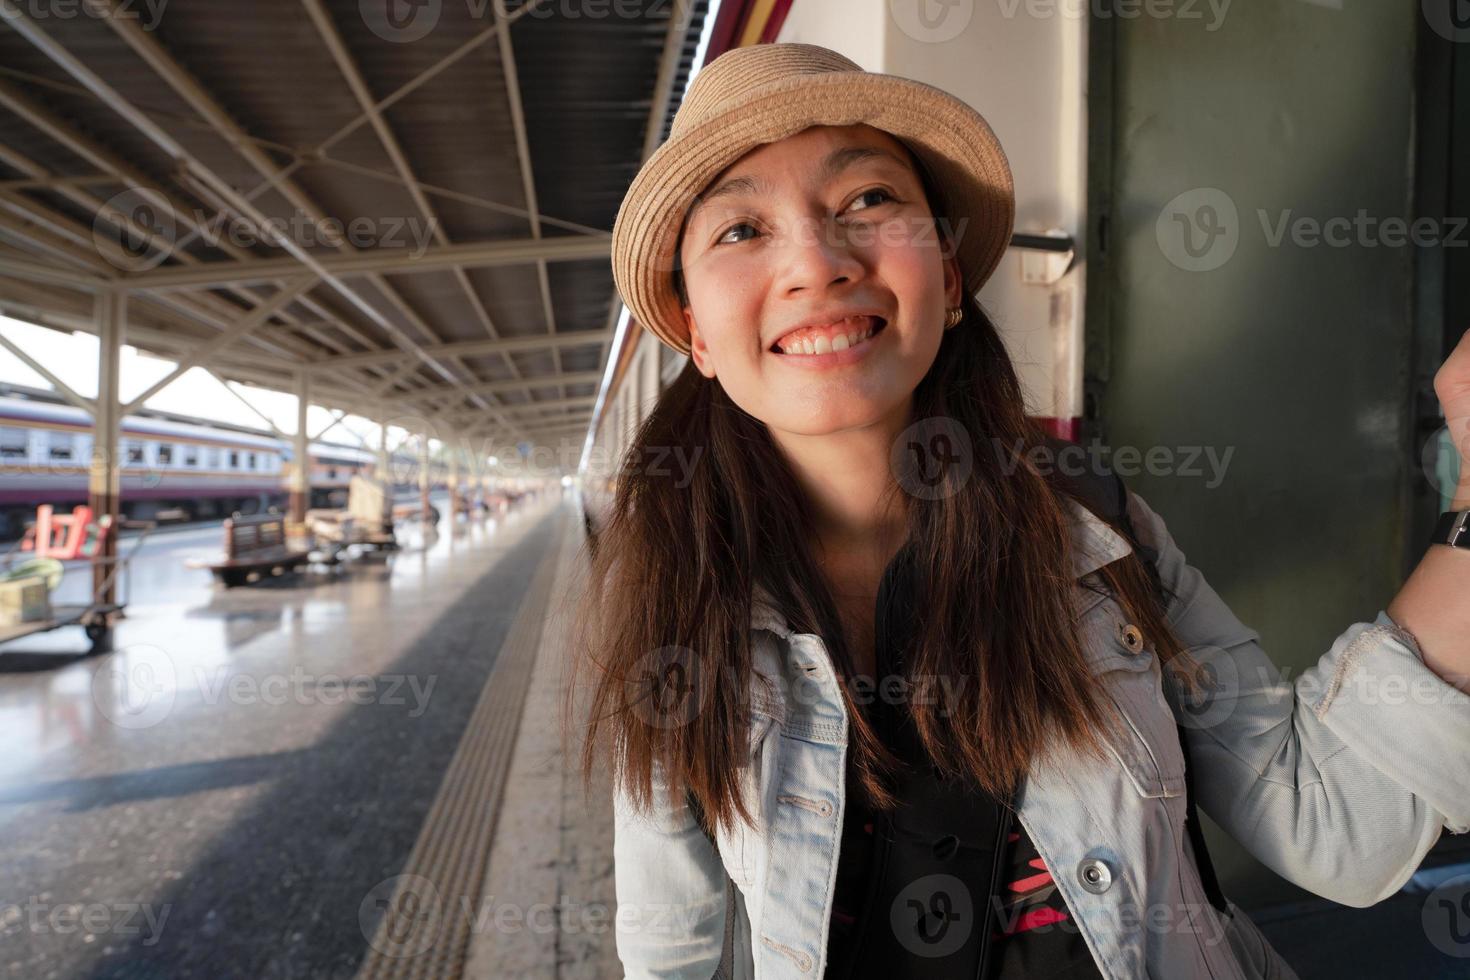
point(827, 344)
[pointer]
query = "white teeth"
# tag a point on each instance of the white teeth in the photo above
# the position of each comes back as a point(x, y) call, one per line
point(825, 345)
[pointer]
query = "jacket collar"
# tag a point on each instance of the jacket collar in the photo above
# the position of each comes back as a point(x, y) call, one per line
point(1094, 544)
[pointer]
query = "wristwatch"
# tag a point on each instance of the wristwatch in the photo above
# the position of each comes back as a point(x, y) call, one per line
point(1453, 528)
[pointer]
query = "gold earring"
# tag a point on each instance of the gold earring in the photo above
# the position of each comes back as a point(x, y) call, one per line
point(953, 317)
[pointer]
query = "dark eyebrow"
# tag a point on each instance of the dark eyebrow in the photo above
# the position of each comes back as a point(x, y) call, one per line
point(836, 162)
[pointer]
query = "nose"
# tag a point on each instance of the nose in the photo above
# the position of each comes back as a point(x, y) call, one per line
point(817, 253)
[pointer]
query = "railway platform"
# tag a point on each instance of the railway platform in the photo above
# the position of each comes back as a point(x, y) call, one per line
point(255, 781)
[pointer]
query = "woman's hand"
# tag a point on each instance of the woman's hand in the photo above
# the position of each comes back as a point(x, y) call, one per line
point(1431, 605)
point(1452, 385)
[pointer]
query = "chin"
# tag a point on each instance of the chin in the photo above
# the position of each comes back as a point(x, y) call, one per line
point(830, 422)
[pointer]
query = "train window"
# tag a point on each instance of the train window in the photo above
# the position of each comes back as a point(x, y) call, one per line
point(331, 472)
point(61, 445)
point(211, 458)
point(165, 454)
point(191, 455)
point(134, 450)
point(234, 459)
point(252, 462)
point(14, 443)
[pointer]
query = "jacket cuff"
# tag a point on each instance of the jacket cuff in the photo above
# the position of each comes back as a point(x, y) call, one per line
point(1374, 681)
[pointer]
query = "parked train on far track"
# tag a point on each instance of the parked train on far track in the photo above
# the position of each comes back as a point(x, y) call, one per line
point(172, 469)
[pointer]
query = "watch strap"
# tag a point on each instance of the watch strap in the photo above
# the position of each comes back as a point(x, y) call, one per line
point(1452, 528)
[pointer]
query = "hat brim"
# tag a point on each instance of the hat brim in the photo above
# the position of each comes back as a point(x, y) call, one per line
point(955, 142)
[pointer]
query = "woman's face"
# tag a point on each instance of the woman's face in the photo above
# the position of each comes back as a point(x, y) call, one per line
point(795, 234)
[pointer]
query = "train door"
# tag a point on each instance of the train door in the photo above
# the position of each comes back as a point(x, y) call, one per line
point(1251, 313)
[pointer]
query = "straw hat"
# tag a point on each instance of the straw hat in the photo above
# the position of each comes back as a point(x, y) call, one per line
point(764, 93)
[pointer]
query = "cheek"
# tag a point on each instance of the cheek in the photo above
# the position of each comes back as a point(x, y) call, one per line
point(913, 265)
point(727, 309)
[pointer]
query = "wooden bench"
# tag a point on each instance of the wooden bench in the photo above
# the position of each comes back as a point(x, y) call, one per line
point(255, 545)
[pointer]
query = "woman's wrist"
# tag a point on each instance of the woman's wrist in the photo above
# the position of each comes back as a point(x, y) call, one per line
point(1461, 499)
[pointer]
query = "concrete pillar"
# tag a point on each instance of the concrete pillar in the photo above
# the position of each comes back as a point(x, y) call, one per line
point(104, 483)
point(299, 484)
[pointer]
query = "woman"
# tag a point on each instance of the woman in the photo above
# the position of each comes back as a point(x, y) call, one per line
point(923, 700)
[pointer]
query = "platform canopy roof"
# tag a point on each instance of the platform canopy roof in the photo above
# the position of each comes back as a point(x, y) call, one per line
point(411, 201)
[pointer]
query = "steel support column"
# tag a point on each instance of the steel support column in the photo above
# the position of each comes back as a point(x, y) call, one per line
point(384, 475)
point(300, 478)
point(424, 472)
point(453, 478)
point(104, 483)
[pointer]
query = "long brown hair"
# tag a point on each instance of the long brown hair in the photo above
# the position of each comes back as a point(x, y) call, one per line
point(672, 577)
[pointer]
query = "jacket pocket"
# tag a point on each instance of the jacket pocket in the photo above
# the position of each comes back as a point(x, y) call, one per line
point(1142, 736)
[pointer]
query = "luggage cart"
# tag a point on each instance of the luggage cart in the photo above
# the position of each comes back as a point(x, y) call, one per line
point(96, 617)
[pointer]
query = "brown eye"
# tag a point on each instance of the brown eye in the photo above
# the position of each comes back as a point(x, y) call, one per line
point(875, 190)
point(743, 224)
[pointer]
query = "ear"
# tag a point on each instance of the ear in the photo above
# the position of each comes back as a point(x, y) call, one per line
point(698, 352)
point(954, 283)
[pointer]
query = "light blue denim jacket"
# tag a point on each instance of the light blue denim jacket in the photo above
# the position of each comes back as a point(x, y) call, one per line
point(1340, 782)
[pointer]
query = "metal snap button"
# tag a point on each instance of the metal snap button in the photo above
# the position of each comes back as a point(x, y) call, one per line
point(1131, 637)
point(1095, 875)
